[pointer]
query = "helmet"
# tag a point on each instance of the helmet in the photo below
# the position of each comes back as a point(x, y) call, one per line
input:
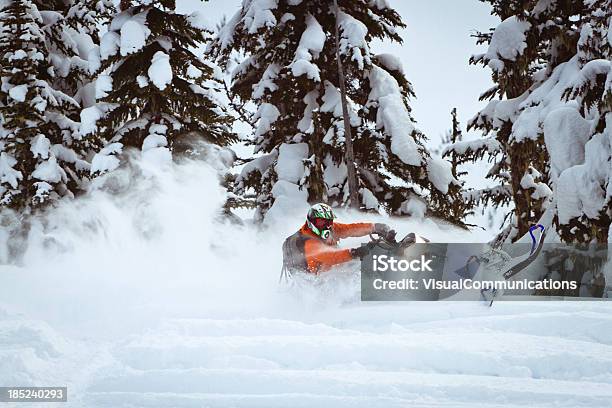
point(320, 220)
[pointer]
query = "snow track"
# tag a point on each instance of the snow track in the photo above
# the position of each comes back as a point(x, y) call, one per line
point(418, 354)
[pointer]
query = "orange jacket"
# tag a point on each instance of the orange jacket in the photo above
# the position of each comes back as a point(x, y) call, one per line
point(320, 255)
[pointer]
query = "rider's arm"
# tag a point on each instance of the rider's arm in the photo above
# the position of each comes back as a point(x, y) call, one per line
point(321, 257)
point(352, 230)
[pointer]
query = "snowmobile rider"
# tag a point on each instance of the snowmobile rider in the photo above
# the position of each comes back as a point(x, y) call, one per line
point(314, 248)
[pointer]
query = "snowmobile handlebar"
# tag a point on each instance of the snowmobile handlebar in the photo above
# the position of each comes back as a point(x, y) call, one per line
point(389, 242)
point(386, 242)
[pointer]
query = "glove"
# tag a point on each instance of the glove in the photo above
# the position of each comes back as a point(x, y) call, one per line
point(381, 229)
point(384, 231)
point(361, 251)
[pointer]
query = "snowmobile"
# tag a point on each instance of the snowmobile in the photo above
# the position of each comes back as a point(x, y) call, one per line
point(496, 264)
point(491, 265)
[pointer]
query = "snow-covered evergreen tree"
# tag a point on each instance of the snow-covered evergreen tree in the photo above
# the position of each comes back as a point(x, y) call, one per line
point(42, 153)
point(460, 205)
point(153, 89)
point(578, 133)
point(512, 53)
point(549, 61)
point(71, 33)
point(290, 72)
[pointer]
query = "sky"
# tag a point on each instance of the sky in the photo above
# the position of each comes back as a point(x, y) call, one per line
point(435, 53)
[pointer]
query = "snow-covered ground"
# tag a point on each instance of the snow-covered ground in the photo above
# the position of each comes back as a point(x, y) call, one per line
point(144, 299)
point(424, 355)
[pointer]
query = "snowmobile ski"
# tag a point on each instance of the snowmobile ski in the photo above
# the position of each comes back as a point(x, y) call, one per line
point(536, 247)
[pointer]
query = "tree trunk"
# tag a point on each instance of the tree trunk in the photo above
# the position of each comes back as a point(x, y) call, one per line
point(349, 157)
point(520, 155)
